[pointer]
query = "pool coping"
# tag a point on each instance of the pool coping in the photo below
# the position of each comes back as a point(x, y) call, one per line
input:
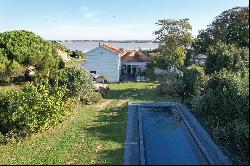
point(134, 153)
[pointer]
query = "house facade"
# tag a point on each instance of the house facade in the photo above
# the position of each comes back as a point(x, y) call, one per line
point(200, 59)
point(115, 64)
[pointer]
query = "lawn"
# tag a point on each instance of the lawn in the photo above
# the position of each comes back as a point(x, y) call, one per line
point(92, 134)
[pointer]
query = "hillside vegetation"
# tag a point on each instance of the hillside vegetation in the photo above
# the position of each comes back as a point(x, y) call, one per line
point(21, 49)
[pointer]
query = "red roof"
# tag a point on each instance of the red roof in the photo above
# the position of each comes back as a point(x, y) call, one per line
point(112, 49)
point(128, 56)
point(135, 56)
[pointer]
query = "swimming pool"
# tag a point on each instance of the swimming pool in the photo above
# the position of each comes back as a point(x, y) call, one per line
point(167, 133)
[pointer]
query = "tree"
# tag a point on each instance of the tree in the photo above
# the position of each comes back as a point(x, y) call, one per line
point(226, 56)
point(174, 37)
point(20, 49)
point(77, 54)
point(230, 27)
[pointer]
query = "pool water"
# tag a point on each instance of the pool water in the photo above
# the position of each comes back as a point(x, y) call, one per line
point(167, 139)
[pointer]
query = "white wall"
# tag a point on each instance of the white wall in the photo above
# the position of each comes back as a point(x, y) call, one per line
point(104, 62)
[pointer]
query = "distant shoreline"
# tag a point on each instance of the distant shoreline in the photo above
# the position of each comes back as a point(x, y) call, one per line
point(110, 41)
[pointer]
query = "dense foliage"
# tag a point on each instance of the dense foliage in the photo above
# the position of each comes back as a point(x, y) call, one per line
point(218, 93)
point(22, 49)
point(77, 54)
point(174, 38)
point(35, 108)
point(44, 103)
point(223, 56)
point(224, 108)
point(191, 83)
point(230, 27)
point(167, 86)
point(78, 83)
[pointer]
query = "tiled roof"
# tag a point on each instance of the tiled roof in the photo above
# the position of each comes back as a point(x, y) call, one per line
point(134, 56)
point(128, 56)
point(112, 49)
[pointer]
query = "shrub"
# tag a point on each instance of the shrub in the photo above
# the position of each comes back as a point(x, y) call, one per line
point(192, 83)
point(94, 97)
point(224, 109)
point(166, 86)
point(33, 109)
point(78, 83)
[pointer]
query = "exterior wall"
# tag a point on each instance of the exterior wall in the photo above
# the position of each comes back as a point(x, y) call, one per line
point(104, 62)
point(200, 61)
point(141, 64)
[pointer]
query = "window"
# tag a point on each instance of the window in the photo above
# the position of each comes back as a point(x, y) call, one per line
point(93, 72)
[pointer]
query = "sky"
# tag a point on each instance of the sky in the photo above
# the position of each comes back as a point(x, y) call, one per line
point(106, 19)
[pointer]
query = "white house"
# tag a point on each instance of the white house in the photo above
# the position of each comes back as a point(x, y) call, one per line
point(115, 64)
point(200, 59)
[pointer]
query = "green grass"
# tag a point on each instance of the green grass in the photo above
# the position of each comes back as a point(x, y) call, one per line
point(144, 92)
point(88, 136)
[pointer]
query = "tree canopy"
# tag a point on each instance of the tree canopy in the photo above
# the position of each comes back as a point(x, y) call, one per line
point(174, 37)
point(226, 56)
point(20, 49)
point(230, 27)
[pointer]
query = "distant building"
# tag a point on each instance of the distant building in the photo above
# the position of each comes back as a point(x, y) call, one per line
point(115, 64)
point(200, 59)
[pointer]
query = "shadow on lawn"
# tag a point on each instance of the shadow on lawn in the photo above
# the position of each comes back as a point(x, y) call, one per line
point(110, 129)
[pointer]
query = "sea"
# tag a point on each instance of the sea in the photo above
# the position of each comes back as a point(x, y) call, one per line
point(86, 46)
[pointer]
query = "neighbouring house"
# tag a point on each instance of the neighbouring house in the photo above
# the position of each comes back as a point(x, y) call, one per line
point(115, 64)
point(200, 59)
point(63, 55)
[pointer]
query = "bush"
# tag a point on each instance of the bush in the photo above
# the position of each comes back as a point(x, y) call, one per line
point(166, 86)
point(77, 80)
point(192, 83)
point(224, 109)
point(33, 109)
point(91, 98)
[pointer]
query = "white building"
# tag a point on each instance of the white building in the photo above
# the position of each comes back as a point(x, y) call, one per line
point(200, 59)
point(115, 64)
